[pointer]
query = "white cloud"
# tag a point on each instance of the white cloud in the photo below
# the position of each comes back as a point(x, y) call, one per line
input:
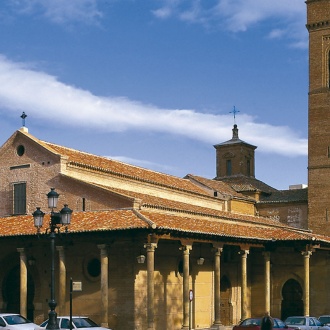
point(60, 11)
point(240, 15)
point(43, 96)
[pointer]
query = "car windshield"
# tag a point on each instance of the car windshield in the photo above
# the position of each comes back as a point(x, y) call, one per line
point(84, 322)
point(279, 323)
point(324, 319)
point(16, 319)
point(249, 322)
point(295, 321)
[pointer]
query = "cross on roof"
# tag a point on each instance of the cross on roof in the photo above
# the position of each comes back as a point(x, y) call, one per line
point(234, 111)
point(23, 116)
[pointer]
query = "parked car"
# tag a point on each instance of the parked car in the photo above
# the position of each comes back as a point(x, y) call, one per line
point(78, 322)
point(305, 323)
point(325, 319)
point(254, 324)
point(11, 321)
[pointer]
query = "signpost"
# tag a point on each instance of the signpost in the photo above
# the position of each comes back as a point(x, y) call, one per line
point(74, 286)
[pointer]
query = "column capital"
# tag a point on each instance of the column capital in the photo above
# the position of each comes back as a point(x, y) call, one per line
point(185, 248)
point(150, 246)
point(244, 253)
point(217, 250)
point(306, 254)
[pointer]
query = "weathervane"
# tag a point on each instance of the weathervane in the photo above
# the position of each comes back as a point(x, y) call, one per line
point(23, 118)
point(234, 112)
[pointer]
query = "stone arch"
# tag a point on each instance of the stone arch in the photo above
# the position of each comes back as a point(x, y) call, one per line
point(292, 299)
point(11, 292)
point(226, 312)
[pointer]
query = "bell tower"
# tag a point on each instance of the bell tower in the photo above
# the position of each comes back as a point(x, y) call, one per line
point(318, 26)
point(235, 157)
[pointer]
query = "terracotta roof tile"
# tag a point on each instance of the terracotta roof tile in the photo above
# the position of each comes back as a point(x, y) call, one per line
point(83, 159)
point(229, 229)
point(129, 219)
point(149, 201)
point(81, 222)
point(219, 186)
point(242, 183)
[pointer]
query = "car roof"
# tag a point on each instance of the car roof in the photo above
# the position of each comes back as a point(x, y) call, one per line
point(7, 314)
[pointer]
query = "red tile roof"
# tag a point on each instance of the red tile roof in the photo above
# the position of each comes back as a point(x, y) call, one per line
point(110, 166)
point(218, 186)
point(178, 225)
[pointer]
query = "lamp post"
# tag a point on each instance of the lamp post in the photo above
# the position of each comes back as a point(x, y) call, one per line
point(57, 219)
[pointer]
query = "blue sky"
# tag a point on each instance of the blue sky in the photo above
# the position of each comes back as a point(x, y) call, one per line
point(153, 82)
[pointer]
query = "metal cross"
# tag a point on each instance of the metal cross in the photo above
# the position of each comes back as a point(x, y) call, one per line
point(235, 111)
point(23, 118)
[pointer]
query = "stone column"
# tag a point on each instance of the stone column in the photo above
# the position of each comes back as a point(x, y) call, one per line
point(185, 251)
point(104, 284)
point(306, 255)
point(23, 282)
point(62, 281)
point(217, 278)
point(150, 284)
point(244, 298)
point(267, 280)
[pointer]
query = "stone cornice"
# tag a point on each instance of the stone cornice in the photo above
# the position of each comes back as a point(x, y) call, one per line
point(318, 25)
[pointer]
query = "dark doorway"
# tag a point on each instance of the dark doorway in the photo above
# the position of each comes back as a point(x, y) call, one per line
point(11, 292)
point(292, 303)
point(225, 296)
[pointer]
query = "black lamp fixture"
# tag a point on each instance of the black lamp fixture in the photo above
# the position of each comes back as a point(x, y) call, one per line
point(57, 219)
point(141, 258)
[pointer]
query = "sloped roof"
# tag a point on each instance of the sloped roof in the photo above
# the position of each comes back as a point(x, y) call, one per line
point(99, 163)
point(234, 140)
point(294, 195)
point(81, 222)
point(226, 229)
point(242, 183)
point(164, 223)
point(218, 186)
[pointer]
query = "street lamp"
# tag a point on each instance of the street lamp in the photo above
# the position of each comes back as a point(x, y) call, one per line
point(57, 219)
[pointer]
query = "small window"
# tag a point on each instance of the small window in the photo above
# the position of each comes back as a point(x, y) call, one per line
point(20, 150)
point(94, 267)
point(20, 198)
point(82, 204)
point(228, 167)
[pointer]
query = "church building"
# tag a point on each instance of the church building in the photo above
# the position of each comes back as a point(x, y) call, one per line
point(148, 250)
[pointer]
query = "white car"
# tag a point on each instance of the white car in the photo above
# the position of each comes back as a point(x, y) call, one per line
point(305, 323)
point(10, 321)
point(78, 322)
point(325, 319)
